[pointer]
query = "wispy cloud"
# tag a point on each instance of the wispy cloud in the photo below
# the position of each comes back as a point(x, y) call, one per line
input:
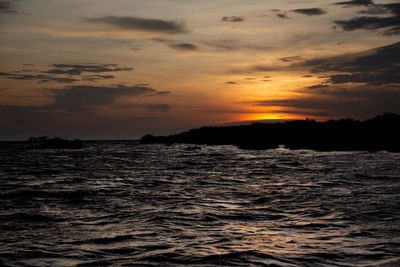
point(391, 23)
point(142, 24)
point(38, 77)
point(233, 45)
point(310, 11)
point(181, 46)
point(78, 69)
point(291, 59)
point(233, 19)
point(342, 102)
point(317, 86)
point(356, 3)
point(378, 66)
point(7, 8)
point(280, 13)
point(184, 47)
point(67, 73)
point(83, 98)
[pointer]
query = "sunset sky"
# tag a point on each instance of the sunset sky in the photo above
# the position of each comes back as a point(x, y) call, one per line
point(101, 69)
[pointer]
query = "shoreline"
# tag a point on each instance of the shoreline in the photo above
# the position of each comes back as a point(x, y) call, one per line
point(376, 134)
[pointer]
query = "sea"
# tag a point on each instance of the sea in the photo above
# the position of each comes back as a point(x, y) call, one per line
point(120, 203)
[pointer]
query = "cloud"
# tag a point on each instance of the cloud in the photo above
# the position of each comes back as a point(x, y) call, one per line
point(379, 66)
point(310, 11)
point(256, 68)
point(318, 86)
point(233, 45)
point(392, 31)
point(356, 3)
point(93, 78)
point(184, 47)
point(152, 107)
point(62, 73)
point(368, 23)
point(233, 19)
point(142, 24)
point(29, 115)
point(77, 69)
point(282, 16)
point(83, 98)
point(38, 77)
point(363, 102)
point(18, 123)
point(7, 8)
point(291, 59)
point(279, 13)
point(372, 78)
point(373, 23)
point(159, 107)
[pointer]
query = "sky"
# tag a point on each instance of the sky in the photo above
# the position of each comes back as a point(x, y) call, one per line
point(100, 69)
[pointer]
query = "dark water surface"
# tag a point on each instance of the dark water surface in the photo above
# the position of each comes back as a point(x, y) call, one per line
point(119, 203)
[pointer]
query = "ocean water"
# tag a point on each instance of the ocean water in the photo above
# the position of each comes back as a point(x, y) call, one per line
point(124, 204)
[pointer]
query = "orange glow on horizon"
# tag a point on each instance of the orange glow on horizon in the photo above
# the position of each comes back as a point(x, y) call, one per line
point(268, 116)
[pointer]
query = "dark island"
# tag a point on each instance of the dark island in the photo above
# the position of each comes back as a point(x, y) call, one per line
point(379, 133)
point(45, 142)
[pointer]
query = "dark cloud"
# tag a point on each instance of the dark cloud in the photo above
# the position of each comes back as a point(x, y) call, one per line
point(62, 73)
point(318, 86)
point(77, 69)
point(356, 3)
point(28, 116)
point(310, 11)
point(374, 10)
point(233, 45)
point(184, 47)
point(230, 82)
point(368, 23)
point(38, 77)
point(343, 102)
point(142, 24)
point(97, 77)
point(18, 123)
point(83, 98)
point(233, 19)
point(282, 16)
point(378, 66)
point(372, 23)
point(290, 59)
point(255, 68)
point(72, 113)
point(264, 68)
point(392, 31)
point(7, 8)
point(159, 107)
point(280, 13)
point(304, 113)
point(153, 107)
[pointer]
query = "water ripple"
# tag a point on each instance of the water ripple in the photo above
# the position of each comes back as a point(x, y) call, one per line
point(124, 204)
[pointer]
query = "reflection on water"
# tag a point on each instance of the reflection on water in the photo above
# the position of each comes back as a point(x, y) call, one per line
point(119, 203)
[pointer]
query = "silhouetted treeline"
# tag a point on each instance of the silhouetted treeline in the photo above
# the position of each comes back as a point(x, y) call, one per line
point(379, 133)
point(44, 142)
